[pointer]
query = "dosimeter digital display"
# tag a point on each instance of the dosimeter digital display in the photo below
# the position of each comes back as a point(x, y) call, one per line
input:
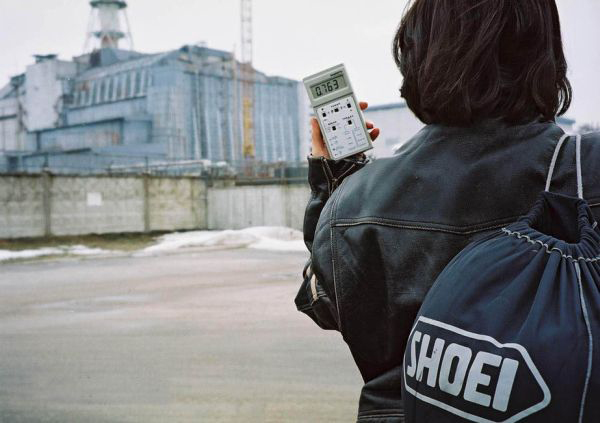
point(328, 86)
point(340, 118)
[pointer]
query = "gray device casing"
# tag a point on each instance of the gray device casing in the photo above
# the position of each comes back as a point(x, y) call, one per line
point(338, 113)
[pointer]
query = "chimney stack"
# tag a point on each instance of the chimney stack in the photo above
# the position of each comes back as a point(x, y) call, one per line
point(105, 24)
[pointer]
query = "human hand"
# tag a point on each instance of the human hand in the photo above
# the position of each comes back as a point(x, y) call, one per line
point(318, 144)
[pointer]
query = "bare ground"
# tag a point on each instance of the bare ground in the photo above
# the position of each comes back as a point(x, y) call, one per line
point(197, 336)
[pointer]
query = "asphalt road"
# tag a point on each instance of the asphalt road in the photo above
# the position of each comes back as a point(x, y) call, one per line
point(209, 336)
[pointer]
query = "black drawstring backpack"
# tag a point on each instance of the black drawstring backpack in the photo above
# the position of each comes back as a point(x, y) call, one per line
point(510, 330)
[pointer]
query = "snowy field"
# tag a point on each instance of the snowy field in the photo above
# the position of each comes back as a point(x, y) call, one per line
point(271, 238)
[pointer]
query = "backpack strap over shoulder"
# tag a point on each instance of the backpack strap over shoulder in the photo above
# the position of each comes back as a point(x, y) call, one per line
point(577, 162)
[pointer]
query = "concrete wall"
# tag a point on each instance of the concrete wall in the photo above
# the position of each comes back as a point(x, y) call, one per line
point(80, 205)
point(21, 206)
point(176, 203)
point(267, 205)
point(44, 205)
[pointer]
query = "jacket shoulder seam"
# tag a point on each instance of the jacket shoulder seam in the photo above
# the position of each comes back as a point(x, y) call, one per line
point(427, 225)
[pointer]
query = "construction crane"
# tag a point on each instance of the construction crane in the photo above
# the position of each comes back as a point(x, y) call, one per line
point(247, 80)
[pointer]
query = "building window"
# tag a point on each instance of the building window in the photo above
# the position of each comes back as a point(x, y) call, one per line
point(117, 88)
point(109, 93)
point(85, 91)
point(119, 84)
point(88, 93)
point(93, 98)
point(138, 82)
point(98, 98)
point(76, 97)
point(144, 81)
point(127, 85)
point(102, 91)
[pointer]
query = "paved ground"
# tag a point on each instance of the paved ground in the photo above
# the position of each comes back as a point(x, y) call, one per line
point(197, 336)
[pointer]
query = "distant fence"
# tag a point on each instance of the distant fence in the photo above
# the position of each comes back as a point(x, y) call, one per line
point(87, 162)
point(53, 205)
point(255, 205)
point(45, 205)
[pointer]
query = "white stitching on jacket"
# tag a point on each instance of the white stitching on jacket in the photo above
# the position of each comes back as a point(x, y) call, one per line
point(547, 247)
point(419, 225)
point(427, 228)
point(340, 190)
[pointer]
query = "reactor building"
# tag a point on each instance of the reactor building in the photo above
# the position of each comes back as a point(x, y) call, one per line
point(112, 107)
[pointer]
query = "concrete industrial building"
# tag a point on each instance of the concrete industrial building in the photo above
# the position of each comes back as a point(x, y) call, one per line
point(116, 108)
point(398, 124)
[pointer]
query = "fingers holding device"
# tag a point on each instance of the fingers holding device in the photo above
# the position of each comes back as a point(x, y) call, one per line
point(339, 129)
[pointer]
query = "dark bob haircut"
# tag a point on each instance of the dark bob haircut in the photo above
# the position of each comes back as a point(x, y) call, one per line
point(468, 60)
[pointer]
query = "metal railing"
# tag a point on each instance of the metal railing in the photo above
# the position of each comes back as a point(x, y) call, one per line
point(92, 163)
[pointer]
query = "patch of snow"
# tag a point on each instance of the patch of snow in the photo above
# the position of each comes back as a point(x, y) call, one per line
point(77, 250)
point(273, 238)
point(25, 254)
point(82, 250)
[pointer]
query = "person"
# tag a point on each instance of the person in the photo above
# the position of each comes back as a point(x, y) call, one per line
point(488, 79)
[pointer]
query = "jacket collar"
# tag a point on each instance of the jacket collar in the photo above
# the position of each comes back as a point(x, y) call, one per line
point(493, 127)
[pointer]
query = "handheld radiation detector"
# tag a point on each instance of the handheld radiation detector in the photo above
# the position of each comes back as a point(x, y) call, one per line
point(340, 118)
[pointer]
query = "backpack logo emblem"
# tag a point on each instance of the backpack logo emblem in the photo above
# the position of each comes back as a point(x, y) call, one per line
point(471, 375)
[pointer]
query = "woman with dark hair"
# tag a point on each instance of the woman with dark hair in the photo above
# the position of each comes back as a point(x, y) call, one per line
point(488, 79)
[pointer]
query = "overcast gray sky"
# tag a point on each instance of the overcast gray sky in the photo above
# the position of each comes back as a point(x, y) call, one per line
point(291, 38)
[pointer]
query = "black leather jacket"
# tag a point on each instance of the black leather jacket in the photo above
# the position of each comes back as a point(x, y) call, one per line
point(379, 233)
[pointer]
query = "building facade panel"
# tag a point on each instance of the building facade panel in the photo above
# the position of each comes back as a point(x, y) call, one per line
point(185, 104)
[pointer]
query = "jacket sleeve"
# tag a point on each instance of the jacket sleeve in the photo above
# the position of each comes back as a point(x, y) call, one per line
point(324, 176)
